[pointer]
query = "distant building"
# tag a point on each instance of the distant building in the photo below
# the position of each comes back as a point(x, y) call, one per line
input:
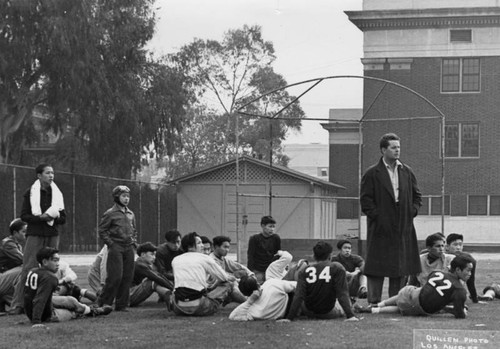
point(449, 52)
point(311, 159)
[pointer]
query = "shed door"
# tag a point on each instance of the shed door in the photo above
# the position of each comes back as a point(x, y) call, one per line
point(251, 208)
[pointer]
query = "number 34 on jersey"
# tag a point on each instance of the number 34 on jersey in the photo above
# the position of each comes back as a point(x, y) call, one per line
point(312, 275)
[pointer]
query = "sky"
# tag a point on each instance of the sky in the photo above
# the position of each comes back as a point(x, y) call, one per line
point(312, 39)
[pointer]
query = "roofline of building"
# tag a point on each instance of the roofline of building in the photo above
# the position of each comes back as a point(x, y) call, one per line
point(425, 18)
point(278, 168)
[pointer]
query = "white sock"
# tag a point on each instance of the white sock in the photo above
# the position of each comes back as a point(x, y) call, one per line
point(375, 310)
point(82, 292)
point(87, 309)
point(381, 304)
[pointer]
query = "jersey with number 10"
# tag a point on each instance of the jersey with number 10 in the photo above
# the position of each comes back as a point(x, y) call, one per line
point(38, 289)
point(320, 285)
point(441, 289)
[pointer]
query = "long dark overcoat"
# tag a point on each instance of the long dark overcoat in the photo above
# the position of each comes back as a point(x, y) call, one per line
point(392, 248)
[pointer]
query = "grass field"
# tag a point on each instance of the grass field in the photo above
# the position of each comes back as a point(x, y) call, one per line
point(151, 326)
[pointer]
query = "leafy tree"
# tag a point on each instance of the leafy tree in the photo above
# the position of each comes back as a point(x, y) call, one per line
point(225, 75)
point(86, 62)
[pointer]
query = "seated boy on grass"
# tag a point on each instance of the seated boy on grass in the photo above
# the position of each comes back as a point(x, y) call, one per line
point(441, 289)
point(353, 264)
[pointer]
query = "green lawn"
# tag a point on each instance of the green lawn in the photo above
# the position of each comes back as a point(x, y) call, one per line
point(152, 326)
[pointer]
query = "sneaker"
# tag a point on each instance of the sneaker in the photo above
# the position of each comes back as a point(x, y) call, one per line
point(362, 292)
point(485, 298)
point(362, 309)
point(104, 310)
point(16, 311)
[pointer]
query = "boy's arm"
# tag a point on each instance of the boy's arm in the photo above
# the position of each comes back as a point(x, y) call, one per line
point(276, 269)
point(298, 298)
point(102, 266)
point(471, 283)
point(103, 229)
point(342, 291)
point(458, 300)
point(240, 313)
point(251, 253)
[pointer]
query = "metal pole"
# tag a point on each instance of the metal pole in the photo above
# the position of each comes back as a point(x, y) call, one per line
point(73, 219)
point(97, 216)
point(238, 242)
point(14, 190)
point(158, 203)
point(443, 129)
point(271, 167)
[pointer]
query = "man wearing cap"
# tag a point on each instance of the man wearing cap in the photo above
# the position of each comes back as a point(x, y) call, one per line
point(43, 210)
point(117, 231)
point(11, 261)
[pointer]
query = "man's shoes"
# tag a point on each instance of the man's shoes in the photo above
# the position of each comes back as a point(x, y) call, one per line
point(362, 309)
point(485, 298)
point(16, 311)
point(98, 311)
point(362, 292)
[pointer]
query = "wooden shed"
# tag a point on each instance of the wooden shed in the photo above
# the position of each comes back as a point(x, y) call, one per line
point(303, 206)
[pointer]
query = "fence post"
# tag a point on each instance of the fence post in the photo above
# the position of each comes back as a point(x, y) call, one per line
point(73, 219)
point(97, 216)
point(14, 191)
point(158, 203)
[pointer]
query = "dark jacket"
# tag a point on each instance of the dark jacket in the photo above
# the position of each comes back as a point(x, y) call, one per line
point(11, 254)
point(144, 270)
point(392, 249)
point(118, 226)
point(36, 226)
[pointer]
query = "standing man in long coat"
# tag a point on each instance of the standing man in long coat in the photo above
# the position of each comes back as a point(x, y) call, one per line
point(390, 198)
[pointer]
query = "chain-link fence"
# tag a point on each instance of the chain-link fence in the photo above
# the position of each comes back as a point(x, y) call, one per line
point(86, 198)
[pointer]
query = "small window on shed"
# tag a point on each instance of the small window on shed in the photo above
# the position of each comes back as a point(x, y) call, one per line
point(461, 35)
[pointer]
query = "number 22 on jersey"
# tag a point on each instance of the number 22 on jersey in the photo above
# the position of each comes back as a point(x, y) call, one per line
point(32, 280)
point(323, 275)
point(439, 283)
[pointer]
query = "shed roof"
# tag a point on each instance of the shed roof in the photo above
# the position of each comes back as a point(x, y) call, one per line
point(275, 169)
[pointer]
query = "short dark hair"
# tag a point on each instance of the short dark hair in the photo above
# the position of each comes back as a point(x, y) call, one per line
point(188, 240)
point(219, 240)
point(431, 239)
point(16, 225)
point(341, 243)
point(385, 139)
point(454, 237)
point(267, 220)
point(172, 235)
point(247, 285)
point(146, 247)
point(39, 169)
point(45, 253)
point(322, 250)
point(206, 240)
point(461, 262)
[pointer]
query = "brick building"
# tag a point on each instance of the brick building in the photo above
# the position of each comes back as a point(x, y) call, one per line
point(449, 52)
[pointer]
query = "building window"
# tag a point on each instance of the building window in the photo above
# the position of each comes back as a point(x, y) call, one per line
point(431, 205)
point(460, 75)
point(323, 172)
point(495, 205)
point(460, 35)
point(478, 205)
point(462, 140)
